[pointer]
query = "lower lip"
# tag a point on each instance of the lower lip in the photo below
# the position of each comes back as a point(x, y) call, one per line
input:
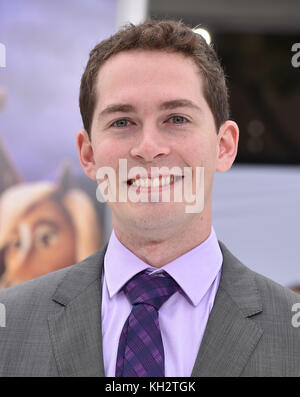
point(149, 189)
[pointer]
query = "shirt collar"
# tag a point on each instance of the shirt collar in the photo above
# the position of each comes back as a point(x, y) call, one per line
point(194, 271)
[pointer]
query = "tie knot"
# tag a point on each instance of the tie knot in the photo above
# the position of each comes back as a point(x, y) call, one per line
point(152, 289)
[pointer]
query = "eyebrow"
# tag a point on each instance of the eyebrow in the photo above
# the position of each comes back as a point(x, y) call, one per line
point(123, 108)
point(179, 103)
point(168, 105)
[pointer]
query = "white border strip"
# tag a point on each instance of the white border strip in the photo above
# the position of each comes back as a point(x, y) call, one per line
point(134, 11)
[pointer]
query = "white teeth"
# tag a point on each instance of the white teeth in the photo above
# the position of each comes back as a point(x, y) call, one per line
point(154, 182)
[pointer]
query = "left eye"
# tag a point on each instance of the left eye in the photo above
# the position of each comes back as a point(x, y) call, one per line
point(121, 123)
point(45, 236)
point(178, 120)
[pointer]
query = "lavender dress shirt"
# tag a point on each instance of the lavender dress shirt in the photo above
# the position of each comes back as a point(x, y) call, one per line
point(182, 318)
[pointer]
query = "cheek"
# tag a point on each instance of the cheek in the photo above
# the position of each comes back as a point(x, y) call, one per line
point(201, 153)
point(194, 152)
point(108, 153)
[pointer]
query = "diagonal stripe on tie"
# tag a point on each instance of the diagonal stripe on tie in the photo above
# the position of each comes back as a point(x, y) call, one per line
point(140, 351)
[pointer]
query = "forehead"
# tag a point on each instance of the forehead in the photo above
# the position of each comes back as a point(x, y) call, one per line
point(145, 57)
point(150, 70)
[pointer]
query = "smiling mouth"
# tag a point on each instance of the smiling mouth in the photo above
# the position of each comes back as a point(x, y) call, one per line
point(154, 182)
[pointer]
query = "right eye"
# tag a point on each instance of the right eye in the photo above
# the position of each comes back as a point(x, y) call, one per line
point(121, 123)
point(45, 236)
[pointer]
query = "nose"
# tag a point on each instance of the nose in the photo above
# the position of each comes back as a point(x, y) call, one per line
point(152, 144)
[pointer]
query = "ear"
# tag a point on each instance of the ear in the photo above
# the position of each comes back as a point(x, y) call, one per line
point(228, 138)
point(86, 154)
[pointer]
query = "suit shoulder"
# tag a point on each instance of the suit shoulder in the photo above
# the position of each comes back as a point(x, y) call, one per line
point(274, 294)
point(278, 302)
point(35, 289)
point(242, 280)
point(41, 288)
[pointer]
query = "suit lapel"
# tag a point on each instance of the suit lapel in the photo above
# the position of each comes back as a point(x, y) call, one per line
point(231, 335)
point(75, 325)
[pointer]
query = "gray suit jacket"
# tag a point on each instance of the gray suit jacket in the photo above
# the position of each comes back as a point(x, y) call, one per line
point(53, 325)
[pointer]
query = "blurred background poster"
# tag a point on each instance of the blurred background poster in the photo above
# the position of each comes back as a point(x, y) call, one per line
point(49, 215)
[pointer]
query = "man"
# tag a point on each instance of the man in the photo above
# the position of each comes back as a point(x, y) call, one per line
point(164, 298)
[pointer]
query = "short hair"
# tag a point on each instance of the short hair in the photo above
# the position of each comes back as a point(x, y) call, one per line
point(166, 35)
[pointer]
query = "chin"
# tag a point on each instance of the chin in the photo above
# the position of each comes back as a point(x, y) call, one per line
point(158, 217)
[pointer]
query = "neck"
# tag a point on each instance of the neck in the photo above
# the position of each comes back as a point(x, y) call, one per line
point(158, 251)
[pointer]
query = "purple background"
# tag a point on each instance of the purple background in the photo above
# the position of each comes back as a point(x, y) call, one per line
point(47, 47)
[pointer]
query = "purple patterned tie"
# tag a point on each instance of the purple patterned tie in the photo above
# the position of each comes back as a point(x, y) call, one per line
point(141, 351)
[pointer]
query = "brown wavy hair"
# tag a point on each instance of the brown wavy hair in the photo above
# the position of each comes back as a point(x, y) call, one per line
point(166, 35)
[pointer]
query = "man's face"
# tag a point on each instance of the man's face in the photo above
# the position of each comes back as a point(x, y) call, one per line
point(150, 110)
